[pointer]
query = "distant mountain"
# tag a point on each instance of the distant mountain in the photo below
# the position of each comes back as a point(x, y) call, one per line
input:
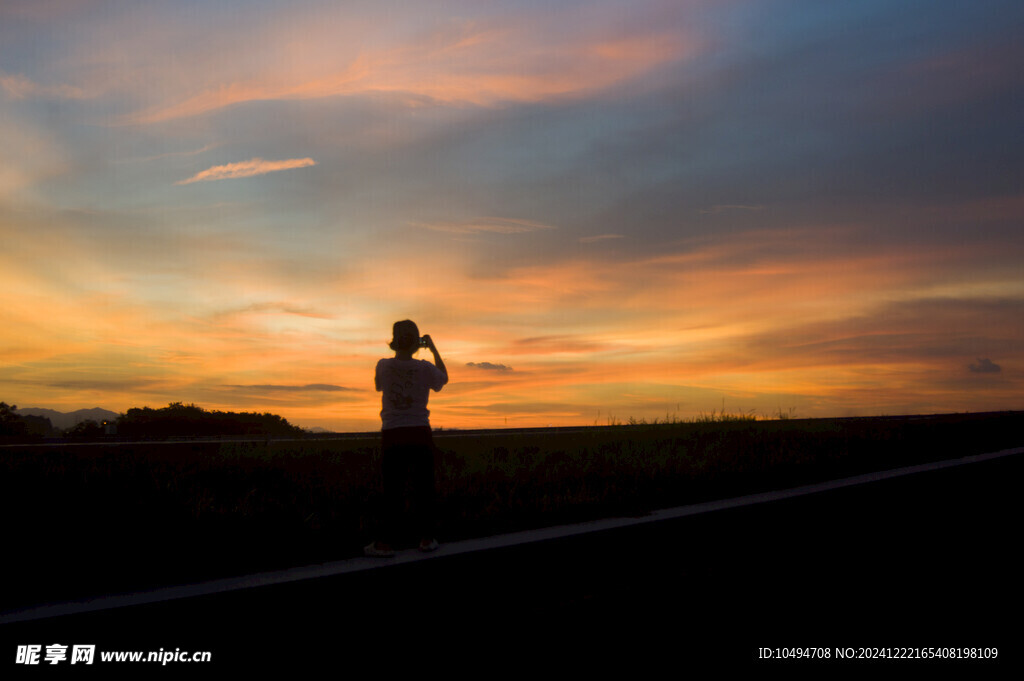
point(70, 419)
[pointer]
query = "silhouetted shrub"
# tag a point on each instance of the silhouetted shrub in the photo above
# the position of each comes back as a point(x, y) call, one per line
point(188, 420)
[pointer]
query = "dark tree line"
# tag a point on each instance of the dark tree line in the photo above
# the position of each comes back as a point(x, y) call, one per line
point(174, 420)
point(179, 419)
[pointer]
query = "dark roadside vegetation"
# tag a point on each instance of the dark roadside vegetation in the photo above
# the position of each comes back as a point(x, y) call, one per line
point(85, 519)
point(176, 420)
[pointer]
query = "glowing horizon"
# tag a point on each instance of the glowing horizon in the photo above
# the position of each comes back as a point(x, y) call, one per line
point(607, 210)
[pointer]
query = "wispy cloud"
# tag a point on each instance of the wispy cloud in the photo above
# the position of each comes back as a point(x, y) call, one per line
point(126, 385)
point(600, 237)
point(487, 224)
point(20, 87)
point(543, 345)
point(250, 168)
point(449, 61)
point(311, 387)
point(273, 308)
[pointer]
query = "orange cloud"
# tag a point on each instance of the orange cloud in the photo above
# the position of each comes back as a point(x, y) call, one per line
point(250, 168)
point(789, 318)
point(454, 62)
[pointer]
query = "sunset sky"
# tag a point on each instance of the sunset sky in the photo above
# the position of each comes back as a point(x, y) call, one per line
point(597, 209)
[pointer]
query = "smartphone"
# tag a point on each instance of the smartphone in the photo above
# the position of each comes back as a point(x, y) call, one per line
point(423, 342)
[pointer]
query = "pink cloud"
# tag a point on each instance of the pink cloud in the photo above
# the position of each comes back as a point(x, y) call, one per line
point(250, 168)
point(481, 63)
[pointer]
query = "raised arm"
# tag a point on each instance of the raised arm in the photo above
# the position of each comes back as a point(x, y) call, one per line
point(438, 362)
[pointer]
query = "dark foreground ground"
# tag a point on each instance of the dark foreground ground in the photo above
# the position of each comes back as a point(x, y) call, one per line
point(924, 561)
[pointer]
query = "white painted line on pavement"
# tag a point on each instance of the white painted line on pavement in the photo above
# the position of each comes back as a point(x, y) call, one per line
point(350, 565)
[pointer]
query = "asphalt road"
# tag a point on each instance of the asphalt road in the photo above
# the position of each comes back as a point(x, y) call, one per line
point(927, 561)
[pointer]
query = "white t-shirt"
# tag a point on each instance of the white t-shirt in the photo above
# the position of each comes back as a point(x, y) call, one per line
point(406, 384)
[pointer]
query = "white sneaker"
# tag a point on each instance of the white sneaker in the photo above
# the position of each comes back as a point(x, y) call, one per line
point(427, 548)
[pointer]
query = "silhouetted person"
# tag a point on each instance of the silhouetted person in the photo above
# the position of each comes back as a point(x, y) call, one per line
point(406, 441)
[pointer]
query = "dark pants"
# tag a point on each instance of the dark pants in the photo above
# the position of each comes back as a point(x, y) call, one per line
point(408, 462)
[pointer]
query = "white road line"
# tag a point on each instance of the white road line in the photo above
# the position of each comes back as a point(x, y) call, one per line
point(350, 565)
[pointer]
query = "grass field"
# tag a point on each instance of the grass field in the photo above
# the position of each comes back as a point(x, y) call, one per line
point(89, 519)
